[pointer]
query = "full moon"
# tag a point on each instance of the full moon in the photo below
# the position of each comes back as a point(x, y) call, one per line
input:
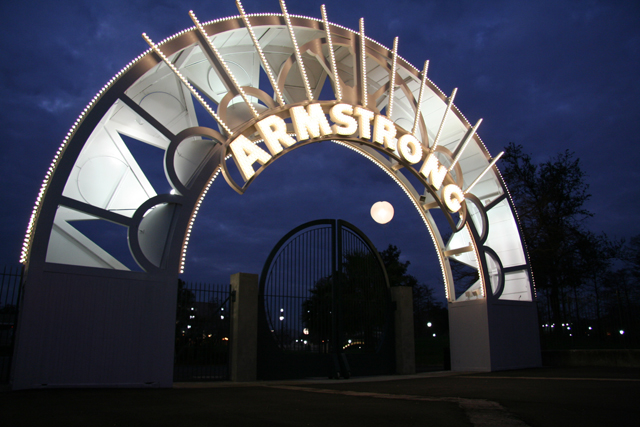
point(382, 212)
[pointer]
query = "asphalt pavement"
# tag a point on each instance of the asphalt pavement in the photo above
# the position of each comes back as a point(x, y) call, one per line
point(532, 397)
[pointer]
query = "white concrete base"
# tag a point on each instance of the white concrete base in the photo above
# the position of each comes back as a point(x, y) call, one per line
point(405, 343)
point(244, 327)
point(97, 328)
point(493, 335)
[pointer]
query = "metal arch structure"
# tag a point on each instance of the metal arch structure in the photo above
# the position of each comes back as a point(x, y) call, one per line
point(384, 109)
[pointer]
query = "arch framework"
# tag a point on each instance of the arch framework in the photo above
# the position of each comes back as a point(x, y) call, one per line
point(87, 319)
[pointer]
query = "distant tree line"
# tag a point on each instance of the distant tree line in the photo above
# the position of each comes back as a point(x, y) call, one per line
point(588, 284)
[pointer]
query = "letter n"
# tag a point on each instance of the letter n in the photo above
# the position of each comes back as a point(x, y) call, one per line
point(433, 171)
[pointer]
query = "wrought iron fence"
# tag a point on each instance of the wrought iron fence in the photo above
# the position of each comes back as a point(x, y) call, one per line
point(202, 332)
point(10, 289)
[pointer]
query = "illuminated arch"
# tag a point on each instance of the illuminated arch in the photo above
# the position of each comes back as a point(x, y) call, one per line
point(416, 135)
point(94, 176)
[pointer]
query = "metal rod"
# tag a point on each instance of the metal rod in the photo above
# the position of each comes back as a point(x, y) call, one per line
point(423, 83)
point(392, 80)
point(195, 93)
point(303, 72)
point(222, 62)
point(332, 57)
point(263, 59)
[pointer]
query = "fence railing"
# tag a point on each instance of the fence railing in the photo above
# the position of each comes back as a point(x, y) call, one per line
point(202, 332)
point(10, 289)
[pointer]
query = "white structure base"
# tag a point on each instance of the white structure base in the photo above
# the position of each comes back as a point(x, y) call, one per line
point(493, 336)
point(95, 330)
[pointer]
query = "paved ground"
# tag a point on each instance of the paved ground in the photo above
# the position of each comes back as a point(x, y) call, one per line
point(534, 397)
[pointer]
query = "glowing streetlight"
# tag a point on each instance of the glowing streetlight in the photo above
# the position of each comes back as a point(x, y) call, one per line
point(382, 212)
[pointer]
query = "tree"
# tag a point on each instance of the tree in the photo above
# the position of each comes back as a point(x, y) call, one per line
point(550, 200)
point(396, 269)
point(359, 288)
point(316, 312)
point(631, 255)
point(186, 299)
point(587, 283)
point(426, 309)
point(361, 292)
point(627, 290)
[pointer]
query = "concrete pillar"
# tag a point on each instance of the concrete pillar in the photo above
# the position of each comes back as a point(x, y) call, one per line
point(244, 327)
point(95, 328)
point(469, 336)
point(488, 335)
point(405, 345)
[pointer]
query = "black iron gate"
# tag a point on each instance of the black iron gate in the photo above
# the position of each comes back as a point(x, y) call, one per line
point(202, 332)
point(325, 306)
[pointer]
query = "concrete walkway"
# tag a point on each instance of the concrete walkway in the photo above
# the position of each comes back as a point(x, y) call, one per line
point(534, 397)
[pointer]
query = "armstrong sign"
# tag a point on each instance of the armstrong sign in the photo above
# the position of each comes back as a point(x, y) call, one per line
point(311, 122)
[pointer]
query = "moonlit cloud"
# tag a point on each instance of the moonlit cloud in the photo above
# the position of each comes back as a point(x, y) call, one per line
point(54, 105)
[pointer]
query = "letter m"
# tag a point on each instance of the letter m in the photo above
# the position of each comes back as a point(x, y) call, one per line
point(310, 122)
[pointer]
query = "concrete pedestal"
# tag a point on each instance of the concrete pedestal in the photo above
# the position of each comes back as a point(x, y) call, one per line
point(95, 328)
point(493, 335)
point(405, 344)
point(244, 327)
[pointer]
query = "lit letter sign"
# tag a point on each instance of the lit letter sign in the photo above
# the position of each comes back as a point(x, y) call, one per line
point(410, 148)
point(453, 197)
point(344, 123)
point(384, 132)
point(364, 118)
point(433, 171)
point(310, 123)
point(274, 132)
point(245, 154)
point(328, 120)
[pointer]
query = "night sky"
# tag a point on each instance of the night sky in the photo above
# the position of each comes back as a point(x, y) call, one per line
point(549, 75)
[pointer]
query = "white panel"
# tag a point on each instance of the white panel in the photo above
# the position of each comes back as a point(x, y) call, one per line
point(160, 93)
point(99, 178)
point(153, 232)
point(189, 156)
point(473, 293)
point(469, 331)
point(107, 176)
point(460, 240)
point(128, 123)
point(68, 246)
point(83, 330)
point(129, 194)
point(475, 216)
point(503, 237)
point(516, 286)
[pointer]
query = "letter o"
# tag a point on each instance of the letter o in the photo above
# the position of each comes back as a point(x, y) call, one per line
point(410, 148)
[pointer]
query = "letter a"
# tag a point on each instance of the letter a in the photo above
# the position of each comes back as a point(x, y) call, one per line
point(245, 154)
